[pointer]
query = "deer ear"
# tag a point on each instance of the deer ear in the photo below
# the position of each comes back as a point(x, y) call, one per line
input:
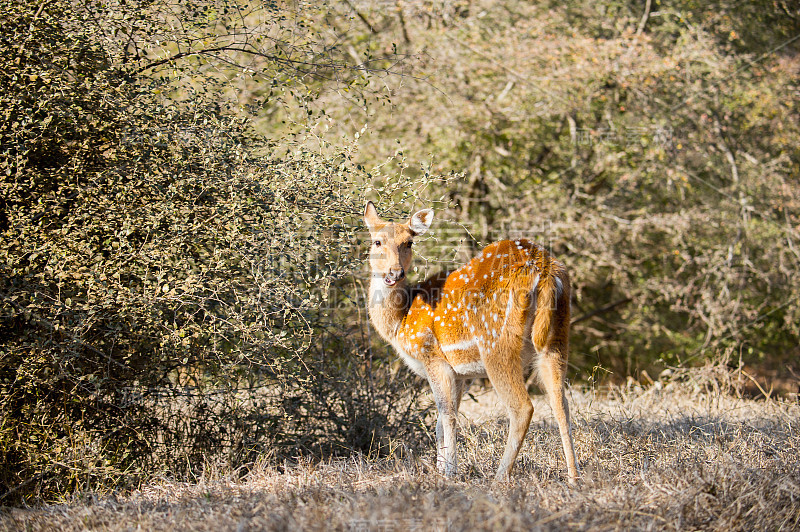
point(421, 221)
point(371, 217)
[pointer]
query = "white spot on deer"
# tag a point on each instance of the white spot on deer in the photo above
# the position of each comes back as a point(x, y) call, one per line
point(508, 311)
point(458, 346)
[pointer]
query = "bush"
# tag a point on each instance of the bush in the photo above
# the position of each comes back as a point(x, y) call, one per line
point(165, 273)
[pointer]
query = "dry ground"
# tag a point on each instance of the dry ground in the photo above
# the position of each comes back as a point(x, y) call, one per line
point(675, 456)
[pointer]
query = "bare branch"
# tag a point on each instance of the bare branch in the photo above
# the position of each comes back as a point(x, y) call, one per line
point(645, 17)
point(601, 310)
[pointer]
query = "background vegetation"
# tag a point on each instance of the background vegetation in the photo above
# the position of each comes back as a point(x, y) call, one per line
point(182, 184)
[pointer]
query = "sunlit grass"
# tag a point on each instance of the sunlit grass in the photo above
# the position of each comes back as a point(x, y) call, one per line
point(670, 456)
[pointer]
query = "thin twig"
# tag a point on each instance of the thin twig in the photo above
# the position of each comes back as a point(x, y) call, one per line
point(361, 17)
point(403, 23)
point(601, 310)
point(645, 17)
point(766, 395)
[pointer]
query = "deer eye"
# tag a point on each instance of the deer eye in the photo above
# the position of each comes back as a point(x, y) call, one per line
point(377, 243)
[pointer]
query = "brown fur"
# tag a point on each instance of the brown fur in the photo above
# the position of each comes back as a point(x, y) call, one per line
point(476, 321)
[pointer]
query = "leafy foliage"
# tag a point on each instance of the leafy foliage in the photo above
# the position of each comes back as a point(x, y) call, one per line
point(163, 270)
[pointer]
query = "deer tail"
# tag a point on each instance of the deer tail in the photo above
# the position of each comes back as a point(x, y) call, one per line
point(547, 295)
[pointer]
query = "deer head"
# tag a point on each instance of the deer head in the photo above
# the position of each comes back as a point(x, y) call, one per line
point(390, 254)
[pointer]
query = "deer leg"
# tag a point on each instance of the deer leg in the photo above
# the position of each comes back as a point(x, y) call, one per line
point(552, 366)
point(460, 384)
point(445, 388)
point(440, 443)
point(506, 376)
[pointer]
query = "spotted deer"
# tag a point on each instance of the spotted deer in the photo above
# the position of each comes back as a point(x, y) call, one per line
point(506, 310)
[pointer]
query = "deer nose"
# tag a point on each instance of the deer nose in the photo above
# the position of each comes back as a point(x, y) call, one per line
point(396, 273)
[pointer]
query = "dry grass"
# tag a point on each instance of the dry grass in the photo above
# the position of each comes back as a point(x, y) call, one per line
point(680, 456)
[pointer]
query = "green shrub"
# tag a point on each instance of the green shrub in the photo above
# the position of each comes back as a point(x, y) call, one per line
point(165, 273)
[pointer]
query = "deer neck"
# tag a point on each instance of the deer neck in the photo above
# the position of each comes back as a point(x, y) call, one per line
point(388, 306)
